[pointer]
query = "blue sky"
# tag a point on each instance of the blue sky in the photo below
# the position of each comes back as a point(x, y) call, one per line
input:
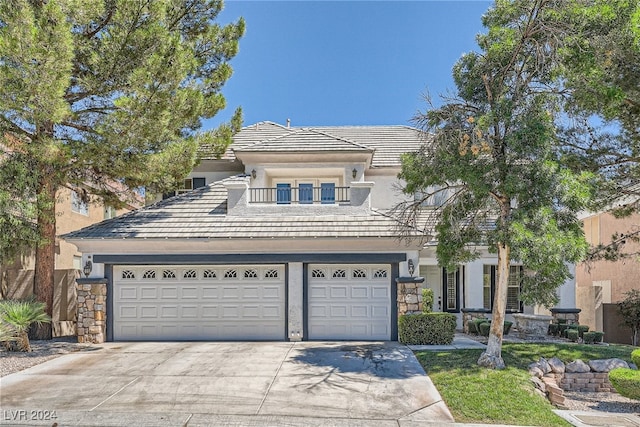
point(345, 62)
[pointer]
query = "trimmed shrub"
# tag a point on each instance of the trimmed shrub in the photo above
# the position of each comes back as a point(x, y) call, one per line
point(477, 322)
point(427, 300)
point(598, 336)
point(484, 327)
point(573, 335)
point(553, 329)
point(561, 328)
point(635, 357)
point(582, 329)
point(562, 321)
point(626, 382)
point(426, 328)
point(569, 328)
point(507, 327)
point(592, 337)
point(471, 325)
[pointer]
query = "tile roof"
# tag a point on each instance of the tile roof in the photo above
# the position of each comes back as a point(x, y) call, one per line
point(387, 142)
point(201, 214)
point(308, 140)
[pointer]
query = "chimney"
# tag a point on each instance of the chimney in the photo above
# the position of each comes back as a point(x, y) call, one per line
point(361, 194)
point(237, 196)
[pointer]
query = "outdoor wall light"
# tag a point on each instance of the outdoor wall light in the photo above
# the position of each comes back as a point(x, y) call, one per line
point(254, 174)
point(354, 172)
point(87, 268)
point(411, 267)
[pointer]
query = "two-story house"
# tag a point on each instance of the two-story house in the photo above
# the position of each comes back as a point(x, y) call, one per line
point(287, 236)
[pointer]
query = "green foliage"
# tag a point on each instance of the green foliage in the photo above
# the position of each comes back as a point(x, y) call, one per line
point(480, 396)
point(593, 337)
point(495, 151)
point(582, 329)
point(635, 357)
point(429, 328)
point(572, 335)
point(629, 308)
point(484, 328)
point(427, 300)
point(473, 325)
point(626, 382)
point(17, 316)
point(105, 92)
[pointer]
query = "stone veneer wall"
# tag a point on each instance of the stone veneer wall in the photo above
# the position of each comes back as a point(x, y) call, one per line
point(409, 295)
point(586, 381)
point(92, 310)
point(469, 314)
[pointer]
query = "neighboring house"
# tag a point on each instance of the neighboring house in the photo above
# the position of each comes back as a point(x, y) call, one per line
point(600, 285)
point(72, 213)
point(287, 236)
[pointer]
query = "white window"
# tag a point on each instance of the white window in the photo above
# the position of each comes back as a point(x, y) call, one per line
point(489, 280)
point(109, 212)
point(78, 205)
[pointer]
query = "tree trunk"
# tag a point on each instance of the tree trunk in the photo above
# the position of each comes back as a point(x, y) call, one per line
point(45, 253)
point(492, 356)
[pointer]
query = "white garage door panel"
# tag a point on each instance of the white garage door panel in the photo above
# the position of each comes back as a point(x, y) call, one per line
point(199, 303)
point(349, 302)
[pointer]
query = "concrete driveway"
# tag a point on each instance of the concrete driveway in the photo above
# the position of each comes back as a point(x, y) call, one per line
point(202, 383)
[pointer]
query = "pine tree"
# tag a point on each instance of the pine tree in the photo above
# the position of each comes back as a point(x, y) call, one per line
point(108, 91)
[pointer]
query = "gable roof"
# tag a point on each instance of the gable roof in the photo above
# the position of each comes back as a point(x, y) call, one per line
point(307, 140)
point(202, 214)
point(388, 143)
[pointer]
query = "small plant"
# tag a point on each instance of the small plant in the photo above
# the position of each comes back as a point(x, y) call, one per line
point(430, 328)
point(477, 322)
point(626, 382)
point(582, 329)
point(427, 300)
point(484, 328)
point(561, 328)
point(593, 337)
point(17, 316)
point(572, 335)
point(553, 329)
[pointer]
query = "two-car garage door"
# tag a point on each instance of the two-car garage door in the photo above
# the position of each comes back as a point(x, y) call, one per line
point(199, 303)
point(248, 302)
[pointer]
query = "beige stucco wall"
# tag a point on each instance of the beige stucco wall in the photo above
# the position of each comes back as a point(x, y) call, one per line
point(606, 281)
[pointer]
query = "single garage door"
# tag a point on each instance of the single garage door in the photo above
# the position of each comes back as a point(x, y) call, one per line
point(198, 303)
point(348, 302)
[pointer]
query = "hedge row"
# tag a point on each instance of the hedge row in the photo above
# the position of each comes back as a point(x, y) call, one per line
point(426, 328)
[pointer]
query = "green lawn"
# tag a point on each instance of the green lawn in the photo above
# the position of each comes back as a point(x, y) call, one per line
point(478, 395)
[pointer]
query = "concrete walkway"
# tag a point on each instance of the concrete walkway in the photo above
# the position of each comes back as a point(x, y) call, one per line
point(187, 384)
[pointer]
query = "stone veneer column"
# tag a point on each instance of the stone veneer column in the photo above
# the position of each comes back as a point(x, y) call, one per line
point(92, 310)
point(409, 295)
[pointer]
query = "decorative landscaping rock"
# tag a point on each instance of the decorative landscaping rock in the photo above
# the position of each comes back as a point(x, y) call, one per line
point(539, 384)
point(633, 366)
point(606, 365)
point(535, 371)
point(577, 366)
point(544, 365)
point(557, 365)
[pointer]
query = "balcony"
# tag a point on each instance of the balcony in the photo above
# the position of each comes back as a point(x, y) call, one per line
point(284, 194)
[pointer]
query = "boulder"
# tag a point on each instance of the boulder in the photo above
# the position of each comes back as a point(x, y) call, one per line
point(606, 365)
point(539, 384)
point(577, 366)
point(557, 365)
point(535, 371)
point(633, 366)
point(544, 365)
